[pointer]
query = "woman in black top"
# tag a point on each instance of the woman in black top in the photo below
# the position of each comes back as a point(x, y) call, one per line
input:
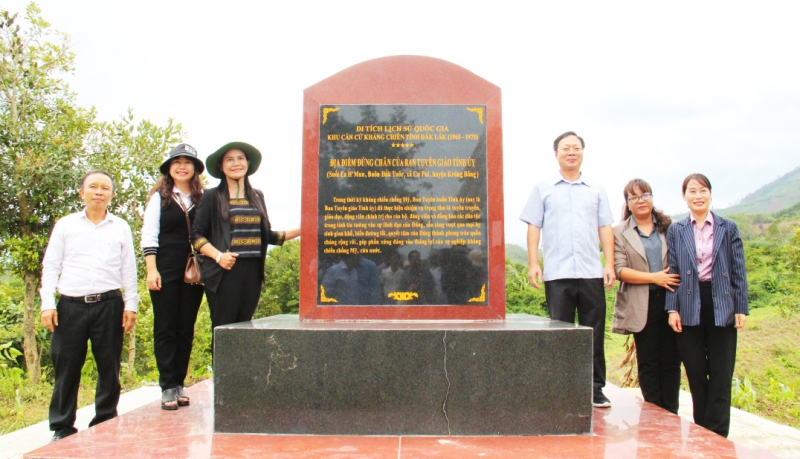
point(166, 244)
point(232, 231)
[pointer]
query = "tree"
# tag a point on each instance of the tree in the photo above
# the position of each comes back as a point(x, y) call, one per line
point(131, 153)
point(281, 295)
point(42, 133)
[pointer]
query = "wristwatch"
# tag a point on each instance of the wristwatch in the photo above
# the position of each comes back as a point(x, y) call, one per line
point(219, 257)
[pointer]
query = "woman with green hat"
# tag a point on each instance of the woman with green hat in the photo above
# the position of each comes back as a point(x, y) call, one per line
point(166, 245)
point(232, 230)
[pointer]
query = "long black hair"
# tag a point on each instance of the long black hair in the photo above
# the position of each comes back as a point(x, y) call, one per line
point(249, 193)
point(662, 220)
point(166, 184)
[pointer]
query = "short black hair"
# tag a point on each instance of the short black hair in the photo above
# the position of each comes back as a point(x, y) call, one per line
point(100, 171)
point(567, 134)
point(699, 178)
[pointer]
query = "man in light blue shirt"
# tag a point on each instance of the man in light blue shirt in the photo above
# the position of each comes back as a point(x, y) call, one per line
point(573, 213)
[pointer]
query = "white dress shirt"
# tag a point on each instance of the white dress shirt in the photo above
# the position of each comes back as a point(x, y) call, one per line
point(83, 258)
point(570, 215)
point(152, 217)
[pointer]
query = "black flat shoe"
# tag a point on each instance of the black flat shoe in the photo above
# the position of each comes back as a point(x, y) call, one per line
point(183, 399)
point(169, 399)
point(59, 436)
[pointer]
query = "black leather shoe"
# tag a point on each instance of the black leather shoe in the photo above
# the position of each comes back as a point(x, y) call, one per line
point(600, 400)
point(58, 436)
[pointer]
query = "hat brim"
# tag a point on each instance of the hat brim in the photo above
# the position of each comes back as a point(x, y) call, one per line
point(250, 152)
point(198, 165)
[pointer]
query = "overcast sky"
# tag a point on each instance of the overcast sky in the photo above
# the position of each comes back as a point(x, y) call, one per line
point(657, 90)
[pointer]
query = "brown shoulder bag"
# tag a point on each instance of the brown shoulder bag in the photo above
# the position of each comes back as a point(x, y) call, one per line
point(192, 274)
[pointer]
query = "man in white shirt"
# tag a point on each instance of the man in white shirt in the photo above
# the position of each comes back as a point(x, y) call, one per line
point(573, 214)
point(89, 258)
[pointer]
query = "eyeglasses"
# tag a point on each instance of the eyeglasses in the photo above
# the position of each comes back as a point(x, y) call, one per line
point(568, 149)
point(644, 197)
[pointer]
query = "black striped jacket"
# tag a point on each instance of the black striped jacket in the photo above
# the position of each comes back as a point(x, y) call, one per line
point(728, 277)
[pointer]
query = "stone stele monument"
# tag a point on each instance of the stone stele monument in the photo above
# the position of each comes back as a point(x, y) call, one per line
point(402, 327)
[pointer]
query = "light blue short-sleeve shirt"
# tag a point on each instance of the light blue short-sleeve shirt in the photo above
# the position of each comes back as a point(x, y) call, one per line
point(569, 214)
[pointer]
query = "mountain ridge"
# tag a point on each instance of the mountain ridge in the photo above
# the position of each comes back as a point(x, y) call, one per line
point(775, 196)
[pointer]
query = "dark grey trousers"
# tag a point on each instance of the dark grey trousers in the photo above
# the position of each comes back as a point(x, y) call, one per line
point(657, 356)
point(79, 323)
point(175, 309)
point(565, 297)
point(708, 353)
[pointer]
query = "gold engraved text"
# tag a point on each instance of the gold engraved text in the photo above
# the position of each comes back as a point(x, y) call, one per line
point(324, 298)
point(403, 296)
point(327, 110)
point(477, 110)
point(479, 299)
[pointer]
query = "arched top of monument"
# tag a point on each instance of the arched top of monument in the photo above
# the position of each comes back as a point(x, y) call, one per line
point(403, 80)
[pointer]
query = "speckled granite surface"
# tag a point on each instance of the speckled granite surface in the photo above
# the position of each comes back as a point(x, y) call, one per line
point(525, 376)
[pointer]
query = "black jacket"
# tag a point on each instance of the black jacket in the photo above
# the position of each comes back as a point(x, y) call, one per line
point(208, 223)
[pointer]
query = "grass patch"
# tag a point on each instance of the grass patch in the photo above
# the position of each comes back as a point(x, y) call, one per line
point(33, 402)
point(767, 366)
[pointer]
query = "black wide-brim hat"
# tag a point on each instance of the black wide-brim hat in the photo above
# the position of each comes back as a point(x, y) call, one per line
point(250, 152)
point(183, 149)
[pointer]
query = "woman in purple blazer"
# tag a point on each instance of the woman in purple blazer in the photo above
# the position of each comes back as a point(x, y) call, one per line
point(710, 304)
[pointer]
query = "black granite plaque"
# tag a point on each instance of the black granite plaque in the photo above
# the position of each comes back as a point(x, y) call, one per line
point(523, 376)
point(402, 205)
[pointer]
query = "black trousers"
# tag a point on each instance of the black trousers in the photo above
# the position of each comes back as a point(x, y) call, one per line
point(586, 296)
point(100, 323)
point(237, 296)
point(657, 355)
point(708, 353)
point(175, 309)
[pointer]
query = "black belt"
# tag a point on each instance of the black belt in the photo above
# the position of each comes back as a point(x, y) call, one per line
point(93, 298)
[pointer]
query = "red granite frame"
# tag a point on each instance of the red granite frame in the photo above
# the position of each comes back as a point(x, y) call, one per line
point(403, 80)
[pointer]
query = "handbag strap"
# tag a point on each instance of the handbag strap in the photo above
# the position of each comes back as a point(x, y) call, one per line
point(188, 223)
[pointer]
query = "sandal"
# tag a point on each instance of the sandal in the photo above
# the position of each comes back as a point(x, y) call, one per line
point(169, 399)
point(183, 399)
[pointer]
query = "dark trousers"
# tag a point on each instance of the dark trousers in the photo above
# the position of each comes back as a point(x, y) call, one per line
point(175, 309)
point(586, 296)
point(100, 323)
point(708, 353)
point(657, 355)
point(237, 296)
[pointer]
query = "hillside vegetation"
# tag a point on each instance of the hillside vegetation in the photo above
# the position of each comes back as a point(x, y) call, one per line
point(517, 254)
point(783, 194)
point(772, 197)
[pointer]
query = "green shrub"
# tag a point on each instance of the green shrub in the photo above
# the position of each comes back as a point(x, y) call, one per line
point(521, 297)
point(743, 396)
point(281, 295)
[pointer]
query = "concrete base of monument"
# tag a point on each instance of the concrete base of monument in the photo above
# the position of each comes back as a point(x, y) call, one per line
point(523, 376)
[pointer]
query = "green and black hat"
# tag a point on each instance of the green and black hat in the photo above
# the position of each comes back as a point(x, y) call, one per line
point(250, 152)
point(183, 149)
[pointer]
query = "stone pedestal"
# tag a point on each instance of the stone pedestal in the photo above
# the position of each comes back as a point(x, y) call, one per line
point(523, 376)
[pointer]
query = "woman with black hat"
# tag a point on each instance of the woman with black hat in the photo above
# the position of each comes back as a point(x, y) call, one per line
point(232, 231)
point(166, 243)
